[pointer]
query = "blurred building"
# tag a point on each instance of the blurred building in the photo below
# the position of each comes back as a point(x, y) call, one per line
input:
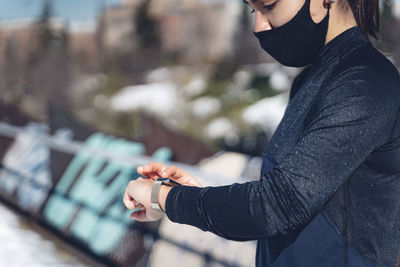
point(197, 30)
point(396, 8)
point(19, 37)
point(83, 48)
point(16, 35)
point(13, 31)
point(115, 25)
point(21, 34)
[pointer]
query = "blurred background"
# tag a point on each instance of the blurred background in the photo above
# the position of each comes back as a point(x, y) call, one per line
point(91, 89)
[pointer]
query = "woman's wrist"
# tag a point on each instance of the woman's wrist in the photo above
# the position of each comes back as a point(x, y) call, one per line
point(162, 196)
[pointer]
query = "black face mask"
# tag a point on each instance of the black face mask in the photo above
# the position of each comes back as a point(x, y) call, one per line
point(298, 42)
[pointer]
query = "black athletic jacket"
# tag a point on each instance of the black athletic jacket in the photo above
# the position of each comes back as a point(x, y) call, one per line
point(329, 192)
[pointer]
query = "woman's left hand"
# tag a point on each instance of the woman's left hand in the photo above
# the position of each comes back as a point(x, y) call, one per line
point(138, 195)
point(154, 170)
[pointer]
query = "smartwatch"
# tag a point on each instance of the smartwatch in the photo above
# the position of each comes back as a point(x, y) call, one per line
point(155, 191)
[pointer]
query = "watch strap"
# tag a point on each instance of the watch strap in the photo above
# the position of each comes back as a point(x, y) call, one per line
point(155, 191)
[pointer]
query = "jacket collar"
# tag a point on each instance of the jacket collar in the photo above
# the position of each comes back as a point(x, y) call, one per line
point(341, 45)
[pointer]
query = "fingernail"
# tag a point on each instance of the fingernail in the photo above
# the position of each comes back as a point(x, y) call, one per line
point(163, 174)
point(140, 168)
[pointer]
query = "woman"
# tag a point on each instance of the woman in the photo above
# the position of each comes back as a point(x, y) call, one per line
point(329, 193)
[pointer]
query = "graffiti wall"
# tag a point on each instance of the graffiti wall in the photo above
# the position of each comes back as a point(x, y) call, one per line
point(25, 174)
point(78, 196)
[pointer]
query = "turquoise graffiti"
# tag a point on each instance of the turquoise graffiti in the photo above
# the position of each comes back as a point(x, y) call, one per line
point(87, 200)
point(25, 171)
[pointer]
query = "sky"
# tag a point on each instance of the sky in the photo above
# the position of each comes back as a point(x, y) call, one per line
point(75, 11)
point(72, 10)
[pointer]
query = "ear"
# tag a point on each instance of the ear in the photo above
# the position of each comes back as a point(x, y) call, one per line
point(328, 3)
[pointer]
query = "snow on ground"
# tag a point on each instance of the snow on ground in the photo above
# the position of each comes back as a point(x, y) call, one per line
point(279, 80)
point(222, 128)
point(206, 106)
point(196, 86)
point(22, 246)
point(267, 113)
point(156, 98)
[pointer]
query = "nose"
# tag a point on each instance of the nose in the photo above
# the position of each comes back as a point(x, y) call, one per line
point(261, 22)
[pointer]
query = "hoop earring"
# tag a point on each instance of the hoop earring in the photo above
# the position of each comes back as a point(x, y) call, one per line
point(329, 4)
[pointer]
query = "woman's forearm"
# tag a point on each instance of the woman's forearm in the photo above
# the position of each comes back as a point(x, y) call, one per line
point(216, 209)
point(164, 190)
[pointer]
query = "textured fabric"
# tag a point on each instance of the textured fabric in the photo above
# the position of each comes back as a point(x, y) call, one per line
point(336, 150)
point(319, 243)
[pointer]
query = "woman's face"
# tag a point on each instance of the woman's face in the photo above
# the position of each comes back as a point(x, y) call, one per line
point(271, 14)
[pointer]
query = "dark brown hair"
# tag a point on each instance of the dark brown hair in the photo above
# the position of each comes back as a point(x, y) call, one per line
point(366, 13)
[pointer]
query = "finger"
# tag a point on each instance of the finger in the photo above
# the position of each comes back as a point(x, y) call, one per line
point(139, 169)
point(180, 176)
point(177, 174)
point(172, 172)
point(152, 170)
point(139, 216)
point(196, 183)
point(155, 167)
point(128, 201)
point(140, 206)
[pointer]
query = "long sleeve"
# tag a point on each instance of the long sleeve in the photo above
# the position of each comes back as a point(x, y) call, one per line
point(353, 117)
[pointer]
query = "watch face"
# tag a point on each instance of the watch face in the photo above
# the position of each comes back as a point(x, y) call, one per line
point(167, 181)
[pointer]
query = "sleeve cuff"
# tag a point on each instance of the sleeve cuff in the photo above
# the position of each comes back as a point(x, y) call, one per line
point(181, 205)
